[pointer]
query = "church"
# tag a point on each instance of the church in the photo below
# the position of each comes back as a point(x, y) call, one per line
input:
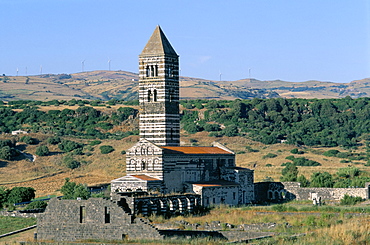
point(158, 163)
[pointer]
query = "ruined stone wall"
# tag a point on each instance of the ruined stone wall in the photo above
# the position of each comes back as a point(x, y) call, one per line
point(278, 191)
point(96, 218)
point(325, 193)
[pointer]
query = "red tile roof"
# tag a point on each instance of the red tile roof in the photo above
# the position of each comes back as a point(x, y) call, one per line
point(216, 183)
point(194, 150)
point(144, 177)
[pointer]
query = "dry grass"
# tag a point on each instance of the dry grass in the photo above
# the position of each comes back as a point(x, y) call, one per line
point(46, 174)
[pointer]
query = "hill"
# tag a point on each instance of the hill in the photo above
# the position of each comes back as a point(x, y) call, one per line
point(107, 85)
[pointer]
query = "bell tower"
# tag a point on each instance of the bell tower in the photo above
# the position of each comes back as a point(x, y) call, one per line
point(159, 91)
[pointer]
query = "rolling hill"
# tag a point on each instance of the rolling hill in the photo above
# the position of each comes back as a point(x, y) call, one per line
point(107, 85)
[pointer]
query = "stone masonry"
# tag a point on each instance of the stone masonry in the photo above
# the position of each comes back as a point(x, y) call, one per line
point(95, 218)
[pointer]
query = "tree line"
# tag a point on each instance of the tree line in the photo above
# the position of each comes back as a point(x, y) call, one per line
point(324, 122)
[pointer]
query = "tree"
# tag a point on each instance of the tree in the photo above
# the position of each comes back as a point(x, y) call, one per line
point(230, 131)
point(289, 173)
point(5, 153)
point(71, 190)
point(21, 194)
point(319, 179)
point(3, 195)
point(42, 150)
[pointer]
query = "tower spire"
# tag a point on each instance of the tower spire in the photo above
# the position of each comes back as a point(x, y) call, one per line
point(159, 91)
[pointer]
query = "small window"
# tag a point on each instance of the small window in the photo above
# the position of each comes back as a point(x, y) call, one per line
point(106, 215)
point(149, 95)
point(155, 95)
point(234, 195)
point(82, 214)
point(147, 71)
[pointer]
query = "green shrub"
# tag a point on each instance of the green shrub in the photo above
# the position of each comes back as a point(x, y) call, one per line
point(42, 150)
point(269, 155)
point(20, 194)
point(29, 140)
point(279, 208)
point(331, 153)
point(54, 140)
point(68, 145)
point(249, 149)
point(36, 205)
point(105, 149)
point(350, 200)
point(123, 152)
point(296, 151)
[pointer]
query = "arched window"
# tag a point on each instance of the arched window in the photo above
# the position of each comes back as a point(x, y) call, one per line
point(147, 71)
point(149, 95)
point(143, 165)
point(152, 71)
point(155, 95)
point(156, 70)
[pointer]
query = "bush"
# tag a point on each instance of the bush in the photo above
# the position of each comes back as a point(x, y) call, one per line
point(95, 142)
point(36, 205)
point(279, 208)
point(54, 140)
point(68, 145)
point(212, 127)
point(348, 172)
point(123, 152)
point(331, 153)
point(350, 200)
point(42, 150)
point(296, 151)
point(70, 162)
point(250, 149)
point(29, 140)
point(105, 149)
point(269, 155)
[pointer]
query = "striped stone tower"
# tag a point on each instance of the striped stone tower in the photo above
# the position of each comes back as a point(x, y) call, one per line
point(159, 91)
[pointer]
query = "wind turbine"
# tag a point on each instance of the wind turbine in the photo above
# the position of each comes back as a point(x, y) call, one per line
point(17, 71)
point(40, 69)
point(109, 63)
point(83, 65)
point(220, 76)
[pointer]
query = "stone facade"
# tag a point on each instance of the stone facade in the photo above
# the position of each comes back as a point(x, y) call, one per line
point(95, 218)
point(157, 163)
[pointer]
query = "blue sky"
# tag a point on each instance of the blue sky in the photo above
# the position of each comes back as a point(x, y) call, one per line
point(288, 40)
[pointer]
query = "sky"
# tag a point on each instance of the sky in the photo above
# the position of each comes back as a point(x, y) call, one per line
point(286, 40)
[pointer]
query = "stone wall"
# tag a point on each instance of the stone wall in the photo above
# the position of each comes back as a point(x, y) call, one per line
point(95, 218)
point(325, 193)
point(279, 191)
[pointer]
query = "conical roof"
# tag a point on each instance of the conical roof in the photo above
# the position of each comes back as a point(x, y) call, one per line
point(158, 44)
